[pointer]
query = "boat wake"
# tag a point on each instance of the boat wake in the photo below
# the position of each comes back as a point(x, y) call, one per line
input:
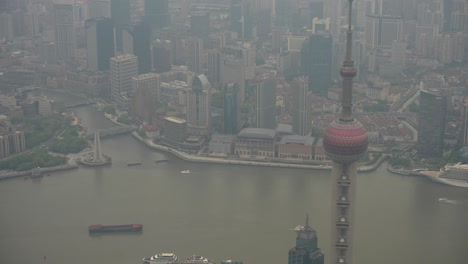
point(445, 200)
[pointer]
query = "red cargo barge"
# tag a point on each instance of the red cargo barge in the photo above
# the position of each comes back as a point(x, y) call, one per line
point(115, 228)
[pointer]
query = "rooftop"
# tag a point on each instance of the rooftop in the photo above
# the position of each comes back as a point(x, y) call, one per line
point(260, 133)
point(174, 119)
point(298, 140)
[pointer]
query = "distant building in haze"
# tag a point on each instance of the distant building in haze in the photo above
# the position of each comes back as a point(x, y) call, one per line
point(306, 250)
point(465, 123)
point(146, 90)
point(199, 107)
point(381, 31)
point(200, 24)
point(240, 19)
point(265, 99)
point(231, 109)
point(120, 14)
point(175, 130)
point(65, 41)
point(157, 13)
point(162, 55)
point(195, 55)
point(136, 40)
point(98, 8)
point(432, 108)
point(214, 66)
point(11, 141)
point(301, 121)
point(316, 62)
point(122, 69)
point(99, 43)
point(231, 70)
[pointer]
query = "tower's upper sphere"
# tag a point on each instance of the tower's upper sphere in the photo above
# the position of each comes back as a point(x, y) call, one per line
point(345, 141)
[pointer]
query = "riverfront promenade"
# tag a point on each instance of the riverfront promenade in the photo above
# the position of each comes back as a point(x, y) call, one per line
point(13, 174)
point(193, 158)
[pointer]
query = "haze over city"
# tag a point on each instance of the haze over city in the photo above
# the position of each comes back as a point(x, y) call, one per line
point(234, 131)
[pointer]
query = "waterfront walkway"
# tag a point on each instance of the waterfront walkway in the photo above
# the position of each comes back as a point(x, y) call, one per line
point(13, 174)
point(193, 158)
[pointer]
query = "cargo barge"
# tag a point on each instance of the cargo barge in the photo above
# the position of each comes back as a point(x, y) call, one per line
point(134, 163)
point(115, 228)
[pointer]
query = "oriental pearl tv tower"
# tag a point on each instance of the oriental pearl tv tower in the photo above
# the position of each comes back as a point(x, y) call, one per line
point(345, 143)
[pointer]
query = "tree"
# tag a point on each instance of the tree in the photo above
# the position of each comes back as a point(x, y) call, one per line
point(217, 100)
point(109, 109)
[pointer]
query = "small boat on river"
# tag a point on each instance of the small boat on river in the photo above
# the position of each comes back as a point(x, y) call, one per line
point(115, 228)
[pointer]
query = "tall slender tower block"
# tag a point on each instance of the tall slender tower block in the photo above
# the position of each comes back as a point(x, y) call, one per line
point(345, 143)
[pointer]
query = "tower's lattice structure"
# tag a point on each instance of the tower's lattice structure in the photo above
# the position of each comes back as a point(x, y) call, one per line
point(345, 143)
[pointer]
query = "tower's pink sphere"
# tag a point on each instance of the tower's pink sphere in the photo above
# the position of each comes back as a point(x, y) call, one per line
point(345, 141)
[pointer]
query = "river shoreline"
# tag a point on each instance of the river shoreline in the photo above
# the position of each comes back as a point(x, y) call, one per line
point(212, 160)
point(14, 174)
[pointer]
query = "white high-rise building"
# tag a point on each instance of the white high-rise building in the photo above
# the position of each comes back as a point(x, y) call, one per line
point(64, 32)
point(146, 88)
point(122, 69)
point(148, 81)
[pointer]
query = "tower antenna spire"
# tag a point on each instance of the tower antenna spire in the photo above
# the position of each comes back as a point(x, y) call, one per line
point(348, 72)
point(307, 220)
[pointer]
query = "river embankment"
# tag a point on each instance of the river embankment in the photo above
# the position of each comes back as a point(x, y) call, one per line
point(14, 174)
point(193, 158)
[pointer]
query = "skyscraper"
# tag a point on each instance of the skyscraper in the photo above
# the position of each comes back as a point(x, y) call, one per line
point(146, 93)
point(240, 19)
point(157, 13)
point(120, 13)
point(6, 26)
point(231, 109)
point(316, 10)
point(99, 43)
point(317, 62)
point(265, 98)
point(162, 55)
point(432, 107)
point(381, 31)
point(122, 69)
point(214, 66)
point(200, 24)
point(345, 142)
point(465, 123)
point(232, 71)
point(301, 123)
point(98, 8)
point(136, 40)
point(306, 250)
point(64, 32)
point(199, 107)
point(194, 55)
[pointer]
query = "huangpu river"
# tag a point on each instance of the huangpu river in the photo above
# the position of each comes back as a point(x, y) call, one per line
point(221, 212)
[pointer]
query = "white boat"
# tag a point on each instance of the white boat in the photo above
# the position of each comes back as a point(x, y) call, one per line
point(198, 259)
point(185, 171)
point(445, 200)
point(451, 174)
point(162, 258)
